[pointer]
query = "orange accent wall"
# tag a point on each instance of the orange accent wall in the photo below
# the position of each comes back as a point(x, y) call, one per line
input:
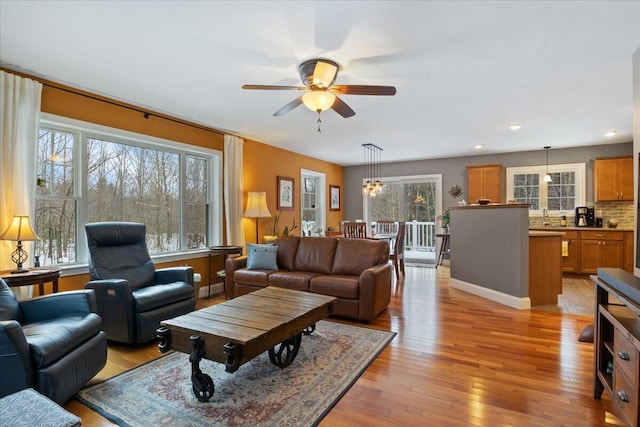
point(262, 165)
point(262, 162)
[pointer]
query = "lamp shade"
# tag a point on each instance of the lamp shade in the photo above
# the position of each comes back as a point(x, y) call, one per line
point(257, 205)
point(19, 230)
point(318, 100)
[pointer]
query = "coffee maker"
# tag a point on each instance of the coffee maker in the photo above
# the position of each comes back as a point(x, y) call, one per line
point(585, 216)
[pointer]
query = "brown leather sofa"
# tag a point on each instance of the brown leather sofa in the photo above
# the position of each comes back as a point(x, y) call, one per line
point(355, 271)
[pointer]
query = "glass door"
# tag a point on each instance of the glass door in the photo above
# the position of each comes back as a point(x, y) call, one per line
point(416, 201)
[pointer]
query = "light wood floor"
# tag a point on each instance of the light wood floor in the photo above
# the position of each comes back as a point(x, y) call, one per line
point(458, 360)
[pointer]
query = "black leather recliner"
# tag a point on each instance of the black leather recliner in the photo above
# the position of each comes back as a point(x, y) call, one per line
point(132, 296)
point(53, 343)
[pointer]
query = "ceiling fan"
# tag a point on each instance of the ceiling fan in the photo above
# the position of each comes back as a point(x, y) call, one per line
point(318, 76)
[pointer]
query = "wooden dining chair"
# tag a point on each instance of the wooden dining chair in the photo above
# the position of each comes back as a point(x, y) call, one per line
point(397, 253)
point(355, 229)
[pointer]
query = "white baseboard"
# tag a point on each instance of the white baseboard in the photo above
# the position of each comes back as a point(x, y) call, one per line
point(523, 303)
point(216, 288)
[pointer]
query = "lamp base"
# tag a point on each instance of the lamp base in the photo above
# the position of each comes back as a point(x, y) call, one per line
point(20, 270)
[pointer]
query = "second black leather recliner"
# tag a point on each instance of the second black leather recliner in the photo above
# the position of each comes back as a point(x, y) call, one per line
point(132, 296)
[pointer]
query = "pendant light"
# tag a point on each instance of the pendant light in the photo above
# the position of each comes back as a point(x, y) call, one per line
point(371, 167)
point(547, 177)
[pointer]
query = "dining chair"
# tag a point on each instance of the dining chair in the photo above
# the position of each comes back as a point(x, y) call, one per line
point(355, 229)
point(397, 253)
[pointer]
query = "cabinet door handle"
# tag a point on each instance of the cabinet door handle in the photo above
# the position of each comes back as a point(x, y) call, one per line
point(623, 396)
point(622, 354)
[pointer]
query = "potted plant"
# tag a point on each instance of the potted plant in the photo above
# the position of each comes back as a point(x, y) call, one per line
point(444, 217)
point(275, 229)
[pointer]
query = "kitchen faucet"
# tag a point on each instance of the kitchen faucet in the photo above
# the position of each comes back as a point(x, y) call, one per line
point(545, 218)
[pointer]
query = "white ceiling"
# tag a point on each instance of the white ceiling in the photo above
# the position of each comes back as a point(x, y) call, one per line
point(464, 71)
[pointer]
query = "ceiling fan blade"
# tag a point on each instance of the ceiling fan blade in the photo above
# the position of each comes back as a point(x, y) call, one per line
point(324, 74)
point(272, 87)
point(290, 106)
point(363, 90)
point(340, 107)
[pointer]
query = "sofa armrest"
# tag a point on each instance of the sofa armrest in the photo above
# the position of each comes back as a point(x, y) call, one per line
point(375, 291)
point(55, 305)
point(174, 274)
point(230, 266)
point(15, 369)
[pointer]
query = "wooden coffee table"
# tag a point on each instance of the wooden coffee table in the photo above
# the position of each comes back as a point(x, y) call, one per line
point(234, 332)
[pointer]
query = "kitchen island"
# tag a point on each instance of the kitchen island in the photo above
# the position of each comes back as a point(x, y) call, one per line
point(494, 255)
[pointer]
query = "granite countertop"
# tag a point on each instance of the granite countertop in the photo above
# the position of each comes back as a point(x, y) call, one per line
point(545, 233)
point(557, 228)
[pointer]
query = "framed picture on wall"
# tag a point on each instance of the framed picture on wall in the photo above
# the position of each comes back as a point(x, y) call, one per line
point(285, 193)
point(334, 197)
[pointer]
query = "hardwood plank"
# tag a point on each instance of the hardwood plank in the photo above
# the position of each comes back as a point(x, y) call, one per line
point(458, 360)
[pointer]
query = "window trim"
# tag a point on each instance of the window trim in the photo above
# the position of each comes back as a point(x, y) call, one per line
point(581, 187)
point(83, 130)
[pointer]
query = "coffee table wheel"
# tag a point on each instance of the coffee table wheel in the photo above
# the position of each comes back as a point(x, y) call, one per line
point(284, 353)
point(309, 330)
point(202, 386)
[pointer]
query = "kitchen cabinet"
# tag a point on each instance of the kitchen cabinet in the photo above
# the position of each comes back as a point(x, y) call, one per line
point(486, 182)
point(600, 249)
point(613, 179)
point(571, 262)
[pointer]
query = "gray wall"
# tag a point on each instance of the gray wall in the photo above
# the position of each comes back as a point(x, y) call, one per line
point(491, 239)
point(454, 173)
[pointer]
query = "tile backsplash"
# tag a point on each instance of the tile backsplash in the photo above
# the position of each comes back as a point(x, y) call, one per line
point(622, 211)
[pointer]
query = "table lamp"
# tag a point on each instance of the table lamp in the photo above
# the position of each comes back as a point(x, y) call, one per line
point(257, 207)
point(20, 229)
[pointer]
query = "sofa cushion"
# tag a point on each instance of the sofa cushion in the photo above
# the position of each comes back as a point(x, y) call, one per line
point(370, 253)
point(156, 296)
point(287, 248)
point(251, 277)
point(315, 254)
point(261, 257)
point(9, 307)
point(297, 280)
point(346, 287)
point(50, 340)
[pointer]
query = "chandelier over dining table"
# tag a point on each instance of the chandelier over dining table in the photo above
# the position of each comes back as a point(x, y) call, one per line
point(371, 166)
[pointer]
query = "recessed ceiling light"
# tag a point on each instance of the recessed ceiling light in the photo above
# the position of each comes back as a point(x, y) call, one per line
point(477, 146)
point(610, 133)
point(515, 126)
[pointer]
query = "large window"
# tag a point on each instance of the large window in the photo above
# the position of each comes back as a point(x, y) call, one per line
point(560, 196)
point(88, 173)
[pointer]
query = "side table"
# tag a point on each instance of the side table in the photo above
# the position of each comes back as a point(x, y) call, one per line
point(37, 276)
point(225, 251)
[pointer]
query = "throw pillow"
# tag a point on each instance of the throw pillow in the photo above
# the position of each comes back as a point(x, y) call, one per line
point(262, 257)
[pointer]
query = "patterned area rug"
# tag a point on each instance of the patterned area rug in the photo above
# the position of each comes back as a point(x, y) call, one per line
point(159, 393)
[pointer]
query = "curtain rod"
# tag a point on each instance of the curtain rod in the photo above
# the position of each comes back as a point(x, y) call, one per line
point(146, 114)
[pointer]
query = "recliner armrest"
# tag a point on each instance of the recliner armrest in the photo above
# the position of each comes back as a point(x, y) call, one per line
point(15, 369)
point(55, 305)
point(174, 274)
point(110, 288)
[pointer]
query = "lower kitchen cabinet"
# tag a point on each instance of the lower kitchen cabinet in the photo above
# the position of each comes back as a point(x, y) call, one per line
point(600, 249)
point(571, 256)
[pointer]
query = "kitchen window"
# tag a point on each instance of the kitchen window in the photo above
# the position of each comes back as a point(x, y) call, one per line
point(560, 197)
point(89, 173)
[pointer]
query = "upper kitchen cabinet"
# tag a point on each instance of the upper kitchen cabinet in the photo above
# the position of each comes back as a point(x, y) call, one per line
point(613, 179)
point(486, 182)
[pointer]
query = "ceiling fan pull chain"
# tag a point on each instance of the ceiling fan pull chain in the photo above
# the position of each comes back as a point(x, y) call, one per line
point(319, 121)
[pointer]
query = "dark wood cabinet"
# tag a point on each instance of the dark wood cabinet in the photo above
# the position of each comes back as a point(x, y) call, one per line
point(613, 179)
point(486, 182)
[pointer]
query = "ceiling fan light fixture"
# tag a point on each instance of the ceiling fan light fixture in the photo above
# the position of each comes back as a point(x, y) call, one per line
point(318, 100)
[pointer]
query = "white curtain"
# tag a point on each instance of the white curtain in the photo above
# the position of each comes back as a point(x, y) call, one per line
point(19, 122)
point(233, 189)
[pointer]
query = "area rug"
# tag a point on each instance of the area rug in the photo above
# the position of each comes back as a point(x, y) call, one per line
point(159, 392)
